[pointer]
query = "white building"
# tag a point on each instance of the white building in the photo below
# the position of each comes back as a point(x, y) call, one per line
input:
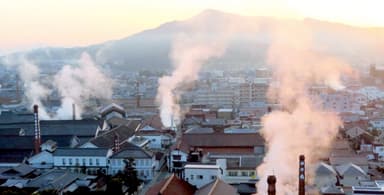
point(144, 162)
point(88, 160)
point(201, 174)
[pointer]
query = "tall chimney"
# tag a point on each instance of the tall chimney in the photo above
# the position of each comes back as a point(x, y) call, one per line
point(73, 111)
point(116, 143)
point(37, 129)
point(301, 175)
point(271, 185)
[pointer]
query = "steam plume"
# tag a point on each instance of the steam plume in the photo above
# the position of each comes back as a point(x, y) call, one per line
point(300, 127)
point(78, 84)
point(189, 52)
point(35, 92)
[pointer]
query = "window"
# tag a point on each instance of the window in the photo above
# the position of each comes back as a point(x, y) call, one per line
point(90, 161)
point(191, 177)
point(83, 161)
point(77, 161)
point(213, 177)
point(63, 161)
point(232, 173)
point(244, 173)
point(97, 162)
point(70, 161)
point(252, 173)
point(200, 176)
point(176, 157)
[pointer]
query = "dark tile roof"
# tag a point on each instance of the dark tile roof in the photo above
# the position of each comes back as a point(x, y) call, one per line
point(15, 155)
point(244, 162)
point(199, 130)
point(131, 151)
point(20, 170)
point(153, 121)
point(54, 179)
point(124, 132)
point(85, 127)
point(27, 142)
point(171, 186)
point(11, 131)
point(217, 187)
point(9, 117)
point(81, 152)
point(219, 140)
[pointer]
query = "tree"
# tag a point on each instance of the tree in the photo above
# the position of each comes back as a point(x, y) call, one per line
point(130, 178)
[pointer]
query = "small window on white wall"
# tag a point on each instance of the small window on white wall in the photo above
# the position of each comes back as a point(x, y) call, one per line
point(200, 177)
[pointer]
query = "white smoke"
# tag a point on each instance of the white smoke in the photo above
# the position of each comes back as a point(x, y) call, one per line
point(78, 84)
point(34, 91)
point(301, 127)
point(205, 37)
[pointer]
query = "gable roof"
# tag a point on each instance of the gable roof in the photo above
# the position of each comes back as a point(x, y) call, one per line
point(112, 107)
point(152, 121)
point(55, 179)
point(355, 132)
point(217, 187)
point(351, 169)
point(131, 150)
point(20, 170)
point(325, 169)
point(124, 132)
point(171, 186)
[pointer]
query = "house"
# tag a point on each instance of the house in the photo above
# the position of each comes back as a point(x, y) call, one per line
point(325, 175)
point(171, 186)
point(196, 147)
point(202, 174)
point(144, 161)
point(58, 180)
point(217, 187)
point(86, 160)
point(351, 174)
point(20, 171)
point(377, 123)
point(107, 139)
point(332, 190)
point(112, 111)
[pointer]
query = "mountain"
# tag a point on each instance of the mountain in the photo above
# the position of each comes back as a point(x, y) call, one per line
point(246, 48)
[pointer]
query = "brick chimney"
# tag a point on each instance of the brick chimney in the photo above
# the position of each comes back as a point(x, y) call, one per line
point(301, 175)
point(37, 129)
point(116, 143)
point(271, 185)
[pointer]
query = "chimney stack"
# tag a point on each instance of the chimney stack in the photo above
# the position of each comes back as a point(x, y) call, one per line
point(271, 185)
point(302, 175)
point(116, 143)
point(73, 111)
point(37, 129)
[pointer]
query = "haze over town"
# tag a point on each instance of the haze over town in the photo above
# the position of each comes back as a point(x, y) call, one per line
point(192, 97)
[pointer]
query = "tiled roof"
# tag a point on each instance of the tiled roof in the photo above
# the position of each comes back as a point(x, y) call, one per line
point(171, 186)
point(55, 179)
point(219, 140)
point(133, 151)
point(85, 127)
point(217, 187)
point(124, 132)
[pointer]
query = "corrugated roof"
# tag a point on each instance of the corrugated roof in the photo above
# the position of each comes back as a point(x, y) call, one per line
point(132, 151)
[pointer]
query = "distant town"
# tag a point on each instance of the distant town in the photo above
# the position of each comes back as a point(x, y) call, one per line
point(120, 146)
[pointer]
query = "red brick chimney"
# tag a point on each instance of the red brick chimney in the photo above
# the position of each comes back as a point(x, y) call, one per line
point(271, 185)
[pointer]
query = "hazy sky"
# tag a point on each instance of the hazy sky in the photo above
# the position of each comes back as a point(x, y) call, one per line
point(32, 23)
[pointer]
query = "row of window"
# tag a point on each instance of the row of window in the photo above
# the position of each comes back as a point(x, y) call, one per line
point(201, 177)
point(76, 161)
point(242, 173)
point(138, 162)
